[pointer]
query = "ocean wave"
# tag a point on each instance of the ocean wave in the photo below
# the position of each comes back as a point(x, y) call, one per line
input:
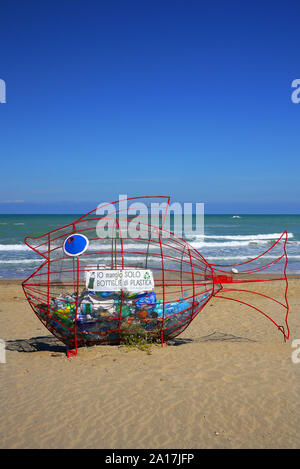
point(14, 247)
point(226, 244)
point(197, 244)
point(141, 257)
point(21, 261)
point(246, 258)
point(243, 237)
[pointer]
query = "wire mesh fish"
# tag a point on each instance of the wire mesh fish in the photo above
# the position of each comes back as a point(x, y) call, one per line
point(109, 275)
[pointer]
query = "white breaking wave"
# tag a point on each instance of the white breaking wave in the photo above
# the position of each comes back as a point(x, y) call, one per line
point(14, 247)
point(197, 241)
point(245, 237)
point(21, 261)
point(246, 258)
point(215, 259)
point(231, 244)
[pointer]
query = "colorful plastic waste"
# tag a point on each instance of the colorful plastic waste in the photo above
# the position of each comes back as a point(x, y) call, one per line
point(102, 313)
point(146, 301)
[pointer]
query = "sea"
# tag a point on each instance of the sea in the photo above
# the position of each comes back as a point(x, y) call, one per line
point(226, 239)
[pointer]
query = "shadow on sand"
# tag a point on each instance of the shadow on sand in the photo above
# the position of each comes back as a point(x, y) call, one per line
point(51, 344)
point(36, 344)
point(213, 337)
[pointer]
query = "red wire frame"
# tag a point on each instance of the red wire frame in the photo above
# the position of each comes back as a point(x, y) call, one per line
point(284, 256)
point(203, 280)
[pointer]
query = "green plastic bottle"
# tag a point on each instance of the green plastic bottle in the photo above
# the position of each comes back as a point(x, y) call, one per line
point(126, 311)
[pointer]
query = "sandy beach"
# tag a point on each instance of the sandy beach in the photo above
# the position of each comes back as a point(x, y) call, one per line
point(227, 382)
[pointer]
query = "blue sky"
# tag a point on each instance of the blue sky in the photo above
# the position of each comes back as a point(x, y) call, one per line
point(184, 98)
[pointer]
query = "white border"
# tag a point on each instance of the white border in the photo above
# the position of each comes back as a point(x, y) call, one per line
point(79, 253)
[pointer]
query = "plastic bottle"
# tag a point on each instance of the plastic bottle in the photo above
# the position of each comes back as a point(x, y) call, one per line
point(91, 281)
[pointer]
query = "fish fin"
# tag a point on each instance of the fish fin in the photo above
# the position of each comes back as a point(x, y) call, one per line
point(251, 280)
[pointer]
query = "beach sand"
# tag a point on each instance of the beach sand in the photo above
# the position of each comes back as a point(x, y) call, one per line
point(227, 382)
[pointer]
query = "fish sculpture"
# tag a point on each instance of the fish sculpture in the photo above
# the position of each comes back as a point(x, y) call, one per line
point(110, 275)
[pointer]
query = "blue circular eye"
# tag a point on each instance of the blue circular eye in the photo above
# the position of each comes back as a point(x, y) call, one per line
point(75, 244)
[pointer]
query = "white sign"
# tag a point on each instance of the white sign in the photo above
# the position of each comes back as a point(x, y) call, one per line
point(133, 280)
point(137, 280)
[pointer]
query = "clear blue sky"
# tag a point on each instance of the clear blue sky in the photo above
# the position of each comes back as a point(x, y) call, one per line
point(186, 98)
